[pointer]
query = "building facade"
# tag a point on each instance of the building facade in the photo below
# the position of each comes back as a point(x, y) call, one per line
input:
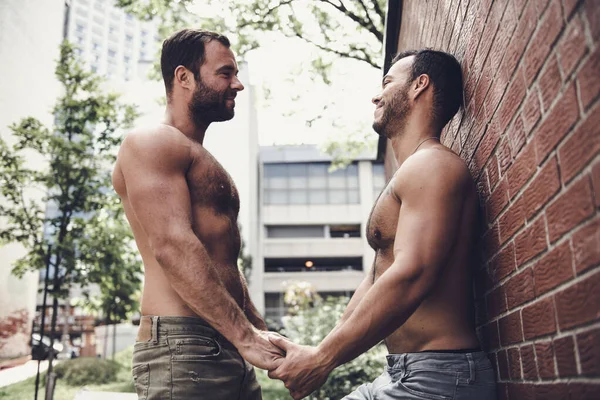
point(311, 224)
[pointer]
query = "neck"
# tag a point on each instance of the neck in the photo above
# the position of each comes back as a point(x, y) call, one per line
point(411, 135)
point(177, 116)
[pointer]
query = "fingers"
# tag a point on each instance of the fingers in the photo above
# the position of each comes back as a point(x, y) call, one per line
point(279, 341)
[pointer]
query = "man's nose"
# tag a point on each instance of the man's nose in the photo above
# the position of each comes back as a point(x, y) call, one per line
point(375, 100)
point(237, 84)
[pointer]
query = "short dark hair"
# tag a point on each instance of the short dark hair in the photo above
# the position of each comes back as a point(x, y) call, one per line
point(446, 75)
point(186, 48)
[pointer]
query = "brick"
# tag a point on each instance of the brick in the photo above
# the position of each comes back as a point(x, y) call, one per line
point(531, 242)
point(572, 47)
point(516, 135)
point(541, 43)
point(596, 182)
point(531, 111)
point(487, 144)
point(538, 319)
point(549, 82)
point(494, 172)
point(543, 187)
point(495, 93)
point(570, 208)
point(496, 302)
point(587, 78)
point(502, 39)
point(578, 304)
point(545, 359)
point(564, 350)
point(504, 156)
point(497, 201)
point(551, 391)
point(589, 352)
point(528, 363)
point(491, 241)
point(511, 221)
point(513, 97)
point(592, 13)
point(583, 391)
point(514, 363)
point(554, 268)
point(557, 123)
point(502, 365)
point(586, 246)
point(520, 38)
point(579, 149)
point(490, 336)
point(521, 391)
point(504, 263)
point(519, 289)
point(510, 328)
point(540, 6)
point(522, 169)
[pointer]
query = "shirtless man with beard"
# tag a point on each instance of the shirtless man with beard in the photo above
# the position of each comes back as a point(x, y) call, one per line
point(418, 296)
point(199, 331)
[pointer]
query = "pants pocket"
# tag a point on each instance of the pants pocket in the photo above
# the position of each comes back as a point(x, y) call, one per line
point(194, 348)
point(430, 385)
point(141, 380)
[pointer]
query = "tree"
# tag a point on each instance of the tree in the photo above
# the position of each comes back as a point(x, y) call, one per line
point(79, 149)
point(311, 319)
point(351, 29)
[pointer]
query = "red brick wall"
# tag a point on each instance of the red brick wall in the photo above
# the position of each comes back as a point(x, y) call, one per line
point(530, 134)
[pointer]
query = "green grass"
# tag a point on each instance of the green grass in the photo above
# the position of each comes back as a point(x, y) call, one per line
point(272, 389)
point(26, 389)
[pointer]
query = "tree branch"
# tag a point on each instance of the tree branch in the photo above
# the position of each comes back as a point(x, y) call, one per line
point(365, 24)
point(364, 7)
point(379, 11)
point(366, 59)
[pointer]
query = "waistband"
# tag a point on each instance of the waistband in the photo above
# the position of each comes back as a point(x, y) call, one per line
point(155, 328)
point(458, 362)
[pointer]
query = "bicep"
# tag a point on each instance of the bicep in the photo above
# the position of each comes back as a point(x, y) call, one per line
point(158, 193)
point(428, 223)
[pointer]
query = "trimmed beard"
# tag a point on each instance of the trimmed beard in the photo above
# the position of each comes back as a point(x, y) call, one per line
point(209, 105)
point(394, 113)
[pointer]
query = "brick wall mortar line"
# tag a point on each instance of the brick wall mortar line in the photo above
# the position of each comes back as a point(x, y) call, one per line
point(550, 293)
point(577, 357)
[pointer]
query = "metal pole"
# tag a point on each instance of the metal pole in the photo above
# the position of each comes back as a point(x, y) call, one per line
point(37, 376)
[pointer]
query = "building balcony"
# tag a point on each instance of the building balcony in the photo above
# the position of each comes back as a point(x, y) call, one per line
point(313, 247)
point(322, 281)
point(312, 214)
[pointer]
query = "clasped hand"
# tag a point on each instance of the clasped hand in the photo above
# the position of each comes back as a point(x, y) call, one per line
point(304, 368)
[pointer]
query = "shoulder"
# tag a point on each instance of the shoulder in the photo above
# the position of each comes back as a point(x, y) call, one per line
point(157, 143)
point(436, 168)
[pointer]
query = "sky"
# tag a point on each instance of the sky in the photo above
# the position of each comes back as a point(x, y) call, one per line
point(287, 95)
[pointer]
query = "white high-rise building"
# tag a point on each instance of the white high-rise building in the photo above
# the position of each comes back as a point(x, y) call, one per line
point(111, 42)
point(312, 224)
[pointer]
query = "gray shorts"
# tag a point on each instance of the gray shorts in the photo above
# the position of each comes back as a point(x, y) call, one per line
point(432, 376)
point(181, 358)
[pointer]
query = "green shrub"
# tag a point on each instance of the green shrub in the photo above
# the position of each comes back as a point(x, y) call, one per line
point(309, 326)
point(87, 371)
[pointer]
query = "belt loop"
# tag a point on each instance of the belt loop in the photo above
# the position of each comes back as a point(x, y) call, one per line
point(404, 369)
point(155, 330)
point(471, 368)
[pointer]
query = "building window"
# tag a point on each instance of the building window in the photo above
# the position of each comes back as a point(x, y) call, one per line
point(344, 231)
point(313, 264)
point(378, 179)
point(310, 183)
point(295, 231)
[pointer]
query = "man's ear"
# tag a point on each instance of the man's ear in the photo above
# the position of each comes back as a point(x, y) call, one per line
point(183, 77)
point(420, 85)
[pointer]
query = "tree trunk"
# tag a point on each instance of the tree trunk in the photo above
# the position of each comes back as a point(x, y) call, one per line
point(114, 341)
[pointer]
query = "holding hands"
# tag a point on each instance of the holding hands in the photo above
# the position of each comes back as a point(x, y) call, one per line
point(304, 369)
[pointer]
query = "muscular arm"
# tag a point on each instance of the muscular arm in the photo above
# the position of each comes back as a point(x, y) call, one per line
point(154, 167)
point(360, 292)
point(431, 190)
point(250, 310)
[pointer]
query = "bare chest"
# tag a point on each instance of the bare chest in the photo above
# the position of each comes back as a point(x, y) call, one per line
point(211, 186)
point(383, 221)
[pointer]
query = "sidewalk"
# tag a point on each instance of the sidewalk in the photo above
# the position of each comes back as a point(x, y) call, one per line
point(19, 373)
point(85, 395)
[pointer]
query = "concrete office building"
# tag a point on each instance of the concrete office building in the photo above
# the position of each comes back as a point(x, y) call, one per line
point(312, 224)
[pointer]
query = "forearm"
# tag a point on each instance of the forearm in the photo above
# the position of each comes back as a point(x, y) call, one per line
point(250, 310)
point(360, 292)
point(382, 310)
point(193, 276)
